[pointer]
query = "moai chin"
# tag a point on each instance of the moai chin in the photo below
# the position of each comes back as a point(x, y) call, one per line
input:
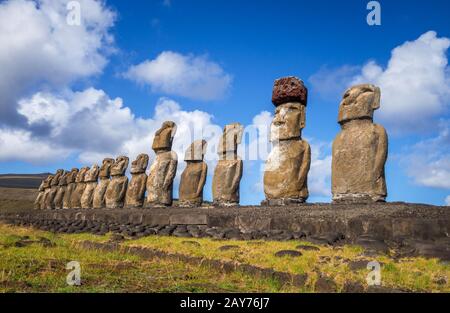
point(360, 149)
point(62, 187)
point(287, 167)
point(117, 187)
point(98, 201)
point(193, 177)
point(50, 199)
point(135, 195)
point(80, 185)
point(71, 185)
point(91, 182)
point(46, 187)
point(163, 170)
point(228, 171)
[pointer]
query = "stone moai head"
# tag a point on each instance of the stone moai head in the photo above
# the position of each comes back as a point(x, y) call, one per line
point(231, 138)
point(47, 181)
point(56, 177)
point(359, 102)
point(164, 137)
point(139, 165)
point(120, 166)
point(290, 98)
point(81, 174)
point(71, 178)
point(196, 151)
point(92, 174)
point(63, 179)
point(105, 170)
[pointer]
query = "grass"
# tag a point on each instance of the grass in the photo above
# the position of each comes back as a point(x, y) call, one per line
point(35, 268)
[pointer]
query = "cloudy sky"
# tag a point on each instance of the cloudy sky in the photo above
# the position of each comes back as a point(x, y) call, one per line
point(72, 94)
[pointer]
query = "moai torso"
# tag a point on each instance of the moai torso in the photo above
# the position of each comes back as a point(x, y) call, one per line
point(71, 185)
point(163, 170)
point(62, 186)
point(135, 195)
point(46, 192)
point(49, 200)
point(80, 184)
point(193, 177)
point(98, 201)
point(91, 182)
point(117, 187)
point(282, 178)
point(360, 149)
point(287, 167)
point(228, 171)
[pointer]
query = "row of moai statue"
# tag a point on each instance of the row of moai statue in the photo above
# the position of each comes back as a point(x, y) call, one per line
point(359, 155)
point(108, 187)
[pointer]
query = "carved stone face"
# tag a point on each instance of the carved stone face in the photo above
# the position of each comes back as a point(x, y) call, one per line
point(164, 136)
point(288, 122)
point(47, 181)
point(92, 174)
point(72, 176)
point(120, 166)
point(63, 179)
point(140, 164)
point(105, 170)
point(359, 102)
point(231, 138)
point(81, 174)
point(196, 151)
point(55, 180)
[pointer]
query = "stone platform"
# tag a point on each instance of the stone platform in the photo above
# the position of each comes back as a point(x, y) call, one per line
point(384, 221)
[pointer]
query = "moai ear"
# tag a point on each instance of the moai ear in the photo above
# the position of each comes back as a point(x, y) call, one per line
point(377, 98)
point(239, 133)
point(303, 117)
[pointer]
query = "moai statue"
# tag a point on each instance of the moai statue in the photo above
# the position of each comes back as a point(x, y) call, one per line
point(100, 189)
point(50, 199)
point(287, 167)
point(228, 172)
point(75, 197)
point(62, 187)
point(360, 149)
point(71, 185)
point(47, 185)
point(117, 187)
point(40, 196)
point(90, 179)
point(193, 177)
point(163, 169)
point(136, 188)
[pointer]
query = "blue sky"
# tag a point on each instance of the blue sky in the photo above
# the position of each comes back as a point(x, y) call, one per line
point(121, 56)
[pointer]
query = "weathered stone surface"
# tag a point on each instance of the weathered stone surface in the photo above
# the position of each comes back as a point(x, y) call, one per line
point(91, 183)
point(291, 253)
point(193, 177)
point(104, 179)
point(50, 198)
point(62, 186)
point(136, 188)
point(117, 187)
point(80, 184)
point(71, 185)
point(360, 149)
point(229, 168)
point(44, 188)
point(289, 89)
point(287, 167)
point(163, 169)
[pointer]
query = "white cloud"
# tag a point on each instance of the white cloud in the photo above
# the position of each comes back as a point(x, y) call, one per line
point(194, 77)
point(415, 85)
point(39, 49)
point(428, 161)
point(447, 200)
